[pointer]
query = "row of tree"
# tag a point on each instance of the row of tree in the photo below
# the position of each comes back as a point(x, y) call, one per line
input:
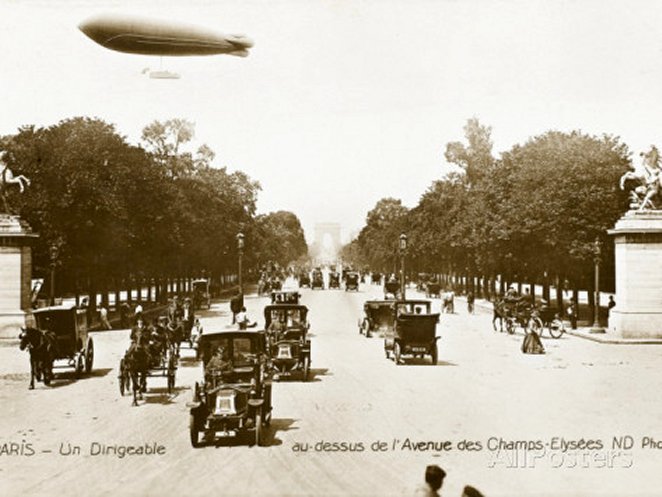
point(533, 215)
point(111, 215)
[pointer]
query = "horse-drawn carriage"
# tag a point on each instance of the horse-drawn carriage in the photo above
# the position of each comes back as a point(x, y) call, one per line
point(234, 397)
point(318, 280)
point(516, 312)
point(414, 331)
point(201, 293)
point(285, 297)
point(68, 326)
point(152, 353)
point(287, 341)
point(550, 318)
point(379, 315)
point(352, 281)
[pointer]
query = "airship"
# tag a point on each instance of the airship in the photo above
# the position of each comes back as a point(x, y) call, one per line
point(146, 36)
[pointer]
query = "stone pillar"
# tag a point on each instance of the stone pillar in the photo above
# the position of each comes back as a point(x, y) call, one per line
point(638, 252)
point(16, 239)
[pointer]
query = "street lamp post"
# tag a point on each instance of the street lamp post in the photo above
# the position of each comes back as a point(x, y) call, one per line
point(403, 250)
point(54, 252)
point(240, 251)
point(597, 249)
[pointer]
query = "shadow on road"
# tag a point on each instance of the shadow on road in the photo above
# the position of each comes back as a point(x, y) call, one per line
point(160, 395)
point(278, 425)
point(62, 379)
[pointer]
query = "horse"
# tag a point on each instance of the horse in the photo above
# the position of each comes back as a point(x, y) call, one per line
point(649, 182)
point(42, 346)
point(136, 360)
point(7, 178)
point(500, 313)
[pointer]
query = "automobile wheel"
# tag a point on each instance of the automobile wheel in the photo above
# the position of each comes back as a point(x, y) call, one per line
point(120, 377)
point(556, 328)
point(89, 356)
point(396, 353)
point(306, 368)
point(435, 354)
point(535, 325)
point(194, 432)
point(258, 429)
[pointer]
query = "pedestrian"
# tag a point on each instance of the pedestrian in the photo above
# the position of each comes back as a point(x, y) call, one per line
point(572, 314)
point(103, 318)
point(242, 320)
point(470, 302)
point(611, 305)
point(470, 491)
point(236, 303)
point(434, 479)
point(124, 315)
point(138, 314)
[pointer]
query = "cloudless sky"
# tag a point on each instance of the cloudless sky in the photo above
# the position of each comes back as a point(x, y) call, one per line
point(344, 102)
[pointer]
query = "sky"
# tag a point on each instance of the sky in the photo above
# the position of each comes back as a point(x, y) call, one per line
point(342, 103)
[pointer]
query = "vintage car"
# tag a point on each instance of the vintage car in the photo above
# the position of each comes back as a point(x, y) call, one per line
point(304, 279)
point(234, 398)
point(352, 281)
point(379, 315)
point(334, 280)
point(392, 289)
point(288, 344)
point(285, 297)
point(318, 280)
point(432, 289)
point(69, 324)
point(201, 293)
point(376, 278)
point(414, 331)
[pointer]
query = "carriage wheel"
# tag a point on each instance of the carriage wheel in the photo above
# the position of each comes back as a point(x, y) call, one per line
point(89, 356)
point(534, 325)
point(194, 432)
point(435, 354)
point(258, 429)
point(171, 375)
point(556, 328)
point(397, 353)
point(306, 368)
point(120, 377)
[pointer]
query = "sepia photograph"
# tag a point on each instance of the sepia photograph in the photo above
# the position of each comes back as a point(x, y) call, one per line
point(330, 248)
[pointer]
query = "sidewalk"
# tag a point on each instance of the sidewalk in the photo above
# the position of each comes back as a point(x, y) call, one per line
point(581, 331)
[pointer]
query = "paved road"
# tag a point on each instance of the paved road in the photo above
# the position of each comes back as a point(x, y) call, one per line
point(482, 387)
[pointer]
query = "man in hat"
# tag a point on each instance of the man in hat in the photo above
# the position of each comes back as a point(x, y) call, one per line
point(470, 491)
point(220, 362)
point(434, 479)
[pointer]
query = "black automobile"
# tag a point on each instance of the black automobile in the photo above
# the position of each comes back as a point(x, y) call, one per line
point(287, 338)
point(334, 280)
point(317, 281)
point(234, 398)
point(414, 331)
point(352, 281)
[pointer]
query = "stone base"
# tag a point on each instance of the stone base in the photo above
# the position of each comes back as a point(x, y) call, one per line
point(635, 324)
point(638, 257)
point(16, 239)
point(11, 324)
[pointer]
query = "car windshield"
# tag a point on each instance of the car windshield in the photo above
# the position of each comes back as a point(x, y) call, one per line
point(238, 348)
